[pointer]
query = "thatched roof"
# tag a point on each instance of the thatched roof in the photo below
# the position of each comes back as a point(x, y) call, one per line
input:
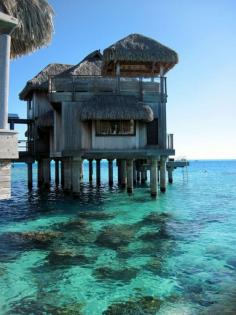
point(138, 55)
point(90, 65)
point(113, 107)
point(35, 26)
point(40, 81)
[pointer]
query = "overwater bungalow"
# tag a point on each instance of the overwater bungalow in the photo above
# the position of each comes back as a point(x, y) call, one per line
point(109, 106)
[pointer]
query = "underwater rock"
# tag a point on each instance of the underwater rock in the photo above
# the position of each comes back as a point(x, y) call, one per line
point(124, 252)
point(155, 218)
point(3, 271)
point(96, 215)
point(73, 224)
point(25, 306)
point(146, 305)
point(39, 236)
point(124, 274)
point(154, 265)
point(231, 262)
point(65, 258)
point(159, 234)
point(114, 236)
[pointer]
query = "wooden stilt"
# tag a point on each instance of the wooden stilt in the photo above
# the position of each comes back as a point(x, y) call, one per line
point(163, 174)
point(130, 180)
point(110, 172)
point(90, 170)
point(76, 175)
point(62, 174)
point(153, 178)
point(40, 172)
point(30, 174)
point(57, 172)
point(98, 171)
point(123, 173)
point(67, 174)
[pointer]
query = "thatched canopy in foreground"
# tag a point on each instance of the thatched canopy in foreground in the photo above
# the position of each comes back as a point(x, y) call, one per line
point(40, 81)
point(115, 107)
point(138, 55)
point(35, 28)
point(90, 65)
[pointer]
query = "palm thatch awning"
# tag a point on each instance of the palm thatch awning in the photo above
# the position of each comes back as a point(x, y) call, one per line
point(90, 65)
point(138, 55)
point(35, 24)
point(40, 81)
point(115, 107)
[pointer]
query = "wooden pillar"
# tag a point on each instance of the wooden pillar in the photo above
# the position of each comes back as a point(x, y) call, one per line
point(118, 162)
point(134, 173)
point(123, 173)
point(153, 178)
point(40, 172)
point(30, 174)
point(130, 179)
point(138, 176)
point(56, 172)
point(90, 170)
point(46, 172)
point(143, 176)
point(170, 175)
point(67, 174)
point(76, 174)
point(81, 170)
point(110, 171)
point(98, 171)
point(62, 173)
point(163, 174)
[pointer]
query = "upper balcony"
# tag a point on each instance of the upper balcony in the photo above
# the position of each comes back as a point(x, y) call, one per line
point(80, 88)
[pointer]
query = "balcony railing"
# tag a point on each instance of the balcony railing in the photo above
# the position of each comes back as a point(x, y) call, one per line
point(106, 85)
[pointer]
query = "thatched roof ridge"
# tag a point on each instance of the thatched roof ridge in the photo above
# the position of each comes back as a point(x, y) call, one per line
point(40, 81)
point(115, 107)
point(135, 49)
point(90, 65)
point(35, 26)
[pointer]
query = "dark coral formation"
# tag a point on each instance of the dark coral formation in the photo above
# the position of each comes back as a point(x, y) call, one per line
point(107, 273)
point(115, 236)
point(96, 215)
point(146, 305)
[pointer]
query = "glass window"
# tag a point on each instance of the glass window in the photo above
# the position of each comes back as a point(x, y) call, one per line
point(115, 127)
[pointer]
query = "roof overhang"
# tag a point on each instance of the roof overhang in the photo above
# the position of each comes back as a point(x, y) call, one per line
point(7, 23)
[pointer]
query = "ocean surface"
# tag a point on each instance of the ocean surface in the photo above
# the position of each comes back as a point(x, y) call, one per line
point(113, 253)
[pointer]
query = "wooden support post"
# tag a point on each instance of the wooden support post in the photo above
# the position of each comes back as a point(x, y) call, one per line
point(123, 173)
point(62, 173)
point(110, 171)
point(138, 176)
point(40, 172)
point(153, 178)
point(170, 175)
point(90, 170)
point(134, 173)
point(67, 174)
point(143, 176)
point(46, 173)
point(81, 171)
point(76, 174)
point(163, 174)
point(57, 172)
point(30, 174)
point(118, 163)
point(98, 171)
point(130, 179)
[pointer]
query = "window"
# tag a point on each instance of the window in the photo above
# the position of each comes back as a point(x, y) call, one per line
point(115, 128)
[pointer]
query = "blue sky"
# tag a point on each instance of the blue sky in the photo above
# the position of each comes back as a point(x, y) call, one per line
point(201, 104)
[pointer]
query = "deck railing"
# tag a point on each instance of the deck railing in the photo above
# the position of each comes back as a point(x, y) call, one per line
point(106, 85)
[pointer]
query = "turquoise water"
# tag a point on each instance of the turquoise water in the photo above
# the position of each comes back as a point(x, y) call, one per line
point(112, 253)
